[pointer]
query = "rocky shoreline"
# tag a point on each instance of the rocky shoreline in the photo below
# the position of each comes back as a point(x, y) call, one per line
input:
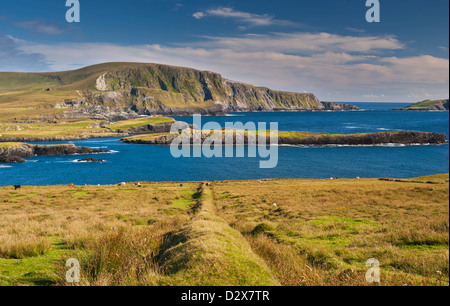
point(96, 110)
point(403, 137)
point(16, 152)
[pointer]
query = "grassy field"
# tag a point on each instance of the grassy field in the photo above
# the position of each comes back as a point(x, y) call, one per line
point(273, 232)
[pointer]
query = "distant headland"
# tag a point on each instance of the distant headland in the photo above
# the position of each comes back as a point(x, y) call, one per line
point(428, 105)
point(121, 91)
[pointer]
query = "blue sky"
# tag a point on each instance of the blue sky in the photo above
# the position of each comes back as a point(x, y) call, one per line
point(322, 46)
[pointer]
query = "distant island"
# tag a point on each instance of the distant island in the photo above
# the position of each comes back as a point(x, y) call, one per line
point(121, 91)
point(428, 105)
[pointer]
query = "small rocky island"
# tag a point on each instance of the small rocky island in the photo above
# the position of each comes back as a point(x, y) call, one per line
point(16, 152)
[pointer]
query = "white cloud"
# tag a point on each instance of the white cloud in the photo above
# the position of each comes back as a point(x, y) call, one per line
point(249, 19)
point(342, 68)
point(199, 15)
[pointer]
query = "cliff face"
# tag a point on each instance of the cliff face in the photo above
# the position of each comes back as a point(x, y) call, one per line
point(148, 89)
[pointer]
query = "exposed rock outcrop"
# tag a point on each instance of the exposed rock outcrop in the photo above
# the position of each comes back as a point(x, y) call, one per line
point(90, 160)
point(15, 153)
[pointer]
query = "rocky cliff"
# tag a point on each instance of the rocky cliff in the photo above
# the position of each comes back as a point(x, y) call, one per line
point(119, 91)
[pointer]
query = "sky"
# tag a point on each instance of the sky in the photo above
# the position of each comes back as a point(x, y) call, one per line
point(325, 47)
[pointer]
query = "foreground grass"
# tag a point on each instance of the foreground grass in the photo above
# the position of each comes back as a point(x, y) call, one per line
point(74, 222)
point(288, 232)
point(322, 232)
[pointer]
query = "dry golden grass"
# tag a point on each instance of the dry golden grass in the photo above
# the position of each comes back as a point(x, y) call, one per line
point(320, 229)
point(320, 232)
point(75, 219)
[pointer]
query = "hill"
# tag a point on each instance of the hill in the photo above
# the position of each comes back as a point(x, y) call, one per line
point(118, 91)
point(429, 105)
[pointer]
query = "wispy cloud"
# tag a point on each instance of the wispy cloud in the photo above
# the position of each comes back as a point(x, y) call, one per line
point(246, 18)
point(343, 68)
point(40, 27)
point(304, 42)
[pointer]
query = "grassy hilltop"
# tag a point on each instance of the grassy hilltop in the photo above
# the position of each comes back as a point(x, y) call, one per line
point(288, 232)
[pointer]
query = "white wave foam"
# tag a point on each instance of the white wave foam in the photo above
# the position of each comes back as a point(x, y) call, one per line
point(387, 145)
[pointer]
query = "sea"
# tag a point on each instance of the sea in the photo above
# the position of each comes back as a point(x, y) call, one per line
point(138, 163)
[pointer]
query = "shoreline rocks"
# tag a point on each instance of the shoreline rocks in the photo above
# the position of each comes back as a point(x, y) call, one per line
point(90, 160)
point(15, 153)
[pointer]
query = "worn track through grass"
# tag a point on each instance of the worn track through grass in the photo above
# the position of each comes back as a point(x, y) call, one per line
point(207, 251)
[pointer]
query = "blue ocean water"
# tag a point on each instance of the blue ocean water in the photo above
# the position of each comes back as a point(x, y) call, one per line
point(131, 163)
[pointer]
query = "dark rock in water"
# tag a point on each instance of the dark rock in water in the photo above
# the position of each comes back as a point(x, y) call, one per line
point(11, 159)
point(68, 149)
point(17, 152)
point(90, 160)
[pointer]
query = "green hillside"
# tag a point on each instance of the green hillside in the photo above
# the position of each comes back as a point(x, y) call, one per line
point(17, 81)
